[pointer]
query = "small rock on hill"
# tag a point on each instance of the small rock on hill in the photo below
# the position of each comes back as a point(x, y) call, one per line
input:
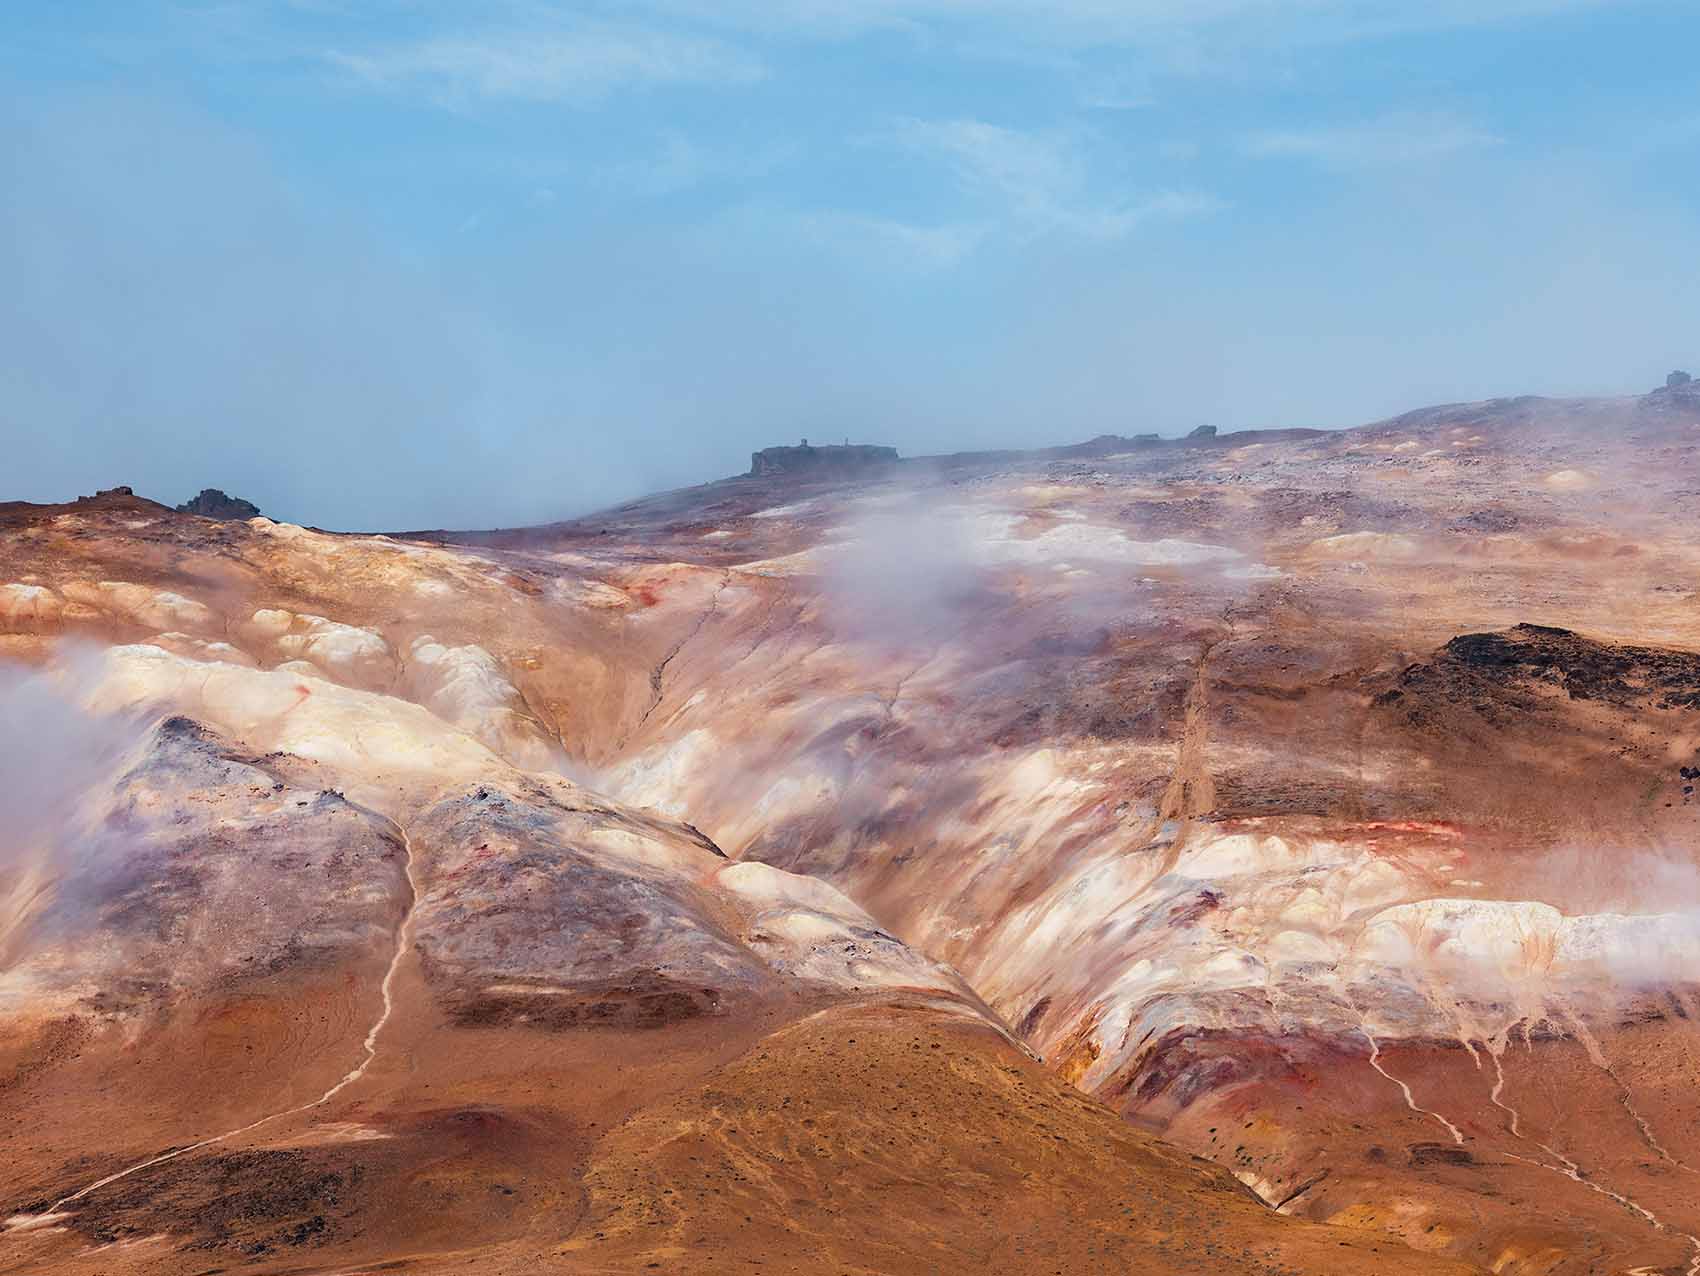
point(832, 459)
point(212, 503)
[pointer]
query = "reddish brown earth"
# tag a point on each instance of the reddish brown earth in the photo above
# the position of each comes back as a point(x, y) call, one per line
point(1267, 853)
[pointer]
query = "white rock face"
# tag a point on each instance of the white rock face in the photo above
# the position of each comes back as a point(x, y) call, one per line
point(29, 607)
point(269, 623)
point(1629, 950)
point(362, 734)
point(1494, 948)
point(1275, 934)
point(200, 649)
point(993, 537)
point(465, 686)
point(656, 778)
point(805, 928)
point(346, 653)
point(761, 886)
point(1499, 939)
point(150, 608)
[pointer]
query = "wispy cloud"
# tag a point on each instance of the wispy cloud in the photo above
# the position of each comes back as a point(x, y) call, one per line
point(1115, 91)
point(1040, 181)
point(1029, 168)
point(1236, 23)
point(679, 162)
point(1392, 139)
point(558, 64)
point(891, 241)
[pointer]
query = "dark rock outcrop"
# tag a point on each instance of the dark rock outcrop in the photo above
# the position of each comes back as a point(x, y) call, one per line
point(833, 459)
point(1678, 380)
point(212, 503)
point(108, 494)
point(1501, 675)
point(1439, 1154)
point(1203, 432)
point(1108, 444)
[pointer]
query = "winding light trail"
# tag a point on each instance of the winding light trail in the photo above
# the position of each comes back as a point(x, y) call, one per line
point(1499, 1089)
point(21, 1222)
point(1410, 1101)
point(1626, 1097)
point(1570, 1169)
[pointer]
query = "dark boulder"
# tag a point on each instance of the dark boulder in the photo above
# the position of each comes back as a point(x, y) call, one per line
point(833, 459)
point(1439, 1154)
point(212, 503)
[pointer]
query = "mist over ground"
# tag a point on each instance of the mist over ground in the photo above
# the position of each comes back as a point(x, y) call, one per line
point(52, 752)
point(416, 268)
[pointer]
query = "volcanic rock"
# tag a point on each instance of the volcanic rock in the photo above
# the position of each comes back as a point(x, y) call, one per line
point(212, 503)
point(830, 460)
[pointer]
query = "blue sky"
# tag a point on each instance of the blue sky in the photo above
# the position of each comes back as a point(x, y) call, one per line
point(404, 263)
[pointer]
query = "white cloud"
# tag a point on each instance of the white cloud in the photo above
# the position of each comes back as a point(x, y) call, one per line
point(837, 238)
point(580, 63)
point(1042, 181)
point(1116, 91)
point(1027, 167)
point(1076, 23)
point(1392, 139)
point(679, 163)
point(912, 244)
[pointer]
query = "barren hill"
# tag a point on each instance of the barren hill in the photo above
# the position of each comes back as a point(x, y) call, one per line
point(1269, 852)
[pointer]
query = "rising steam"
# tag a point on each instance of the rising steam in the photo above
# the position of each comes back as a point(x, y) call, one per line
point(52, 754)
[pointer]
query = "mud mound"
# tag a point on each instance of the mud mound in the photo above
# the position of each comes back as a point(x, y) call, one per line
point(879, 1142)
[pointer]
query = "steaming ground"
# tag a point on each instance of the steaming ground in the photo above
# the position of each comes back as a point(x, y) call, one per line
point(913, 873)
